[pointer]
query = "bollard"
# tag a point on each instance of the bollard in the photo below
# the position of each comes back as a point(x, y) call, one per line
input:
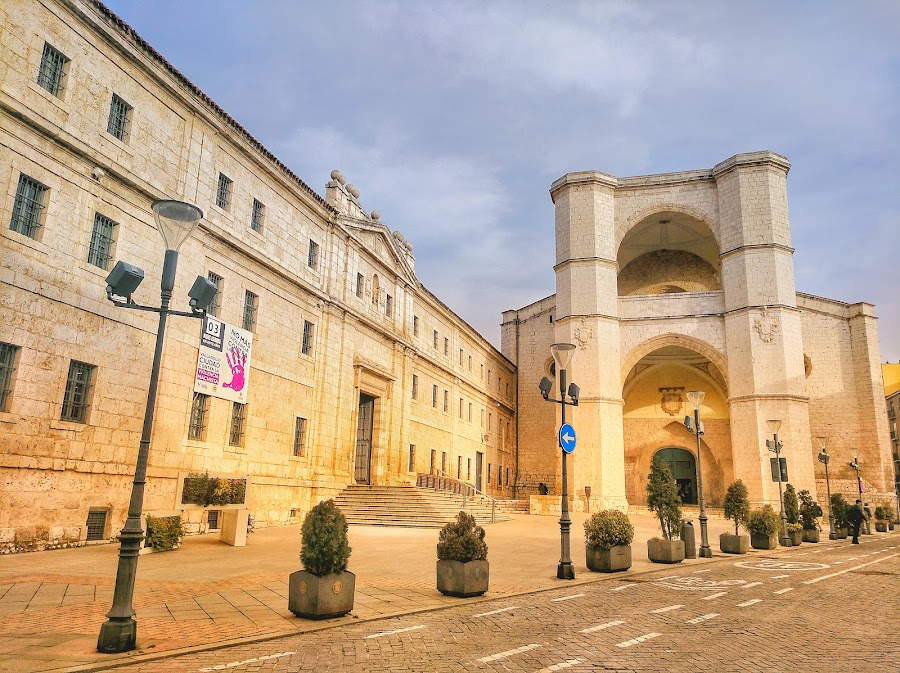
point(687, 536)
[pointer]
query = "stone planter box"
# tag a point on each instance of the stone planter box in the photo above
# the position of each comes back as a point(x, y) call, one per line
point(811, 535)
point(841, 533)
point(796, 537)
point(323, 597)
point(881, 526)
point(763, 541)
point(463, 580)
point(665, 551)
point(613, 559)
point(734, 544)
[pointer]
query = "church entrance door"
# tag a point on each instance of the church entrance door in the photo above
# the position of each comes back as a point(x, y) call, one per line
point(684, 470)
point(363, 459)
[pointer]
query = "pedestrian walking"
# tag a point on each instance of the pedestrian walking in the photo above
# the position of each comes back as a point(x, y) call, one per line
point(855, 517)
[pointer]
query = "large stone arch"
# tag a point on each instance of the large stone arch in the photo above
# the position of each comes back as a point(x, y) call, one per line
point(713, 354)
point(707, 218)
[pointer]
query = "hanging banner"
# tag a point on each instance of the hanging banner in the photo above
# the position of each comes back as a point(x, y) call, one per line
point(223, 366)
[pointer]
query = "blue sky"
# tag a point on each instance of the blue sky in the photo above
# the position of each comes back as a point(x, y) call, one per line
point(453, 118)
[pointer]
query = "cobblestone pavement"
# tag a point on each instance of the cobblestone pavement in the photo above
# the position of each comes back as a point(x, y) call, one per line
point(827, 607)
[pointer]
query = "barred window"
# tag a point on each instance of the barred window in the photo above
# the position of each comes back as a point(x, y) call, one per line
point(461, 405)
point(199, 416)
point(216, 304)
point(470, 363)
point(446, 400)
point(411, 465)
point(389, 306)
point(28, 206)
point(96, 524)
point(102, 241)
point(360, 284)
point(250, 304)
point(8, 358)
point(119, 119)
point(461, 357)
point(308, 336)
point(415, 325)
point(256, 219)
point(238, 423)
point(415, 387)
point(446, 346)
point(459, 467)
point(223, 192)
point(435, 338)
point(313, 258)
point(434, 390)
point(299, 436)
point(78, 392)
point(53, 70)
point(470, 412)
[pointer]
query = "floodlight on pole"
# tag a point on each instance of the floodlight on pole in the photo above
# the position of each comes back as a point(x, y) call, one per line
point(824, 458)
point(774, 426)
point(695, 397)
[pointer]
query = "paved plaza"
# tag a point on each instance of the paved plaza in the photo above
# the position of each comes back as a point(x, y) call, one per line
point(225, 608)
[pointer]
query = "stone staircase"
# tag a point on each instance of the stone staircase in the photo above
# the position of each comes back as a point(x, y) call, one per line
point(411, 506)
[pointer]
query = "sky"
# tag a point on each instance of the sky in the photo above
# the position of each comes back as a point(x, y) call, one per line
point(453, 119)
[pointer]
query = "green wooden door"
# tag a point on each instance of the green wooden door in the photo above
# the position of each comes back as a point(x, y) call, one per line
point(684, 470)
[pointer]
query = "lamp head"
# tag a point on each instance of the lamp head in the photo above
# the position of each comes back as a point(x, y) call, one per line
point(175, 221)
point(546, 386)
point(822, 441)
point(201, 294)
point(695, 397)
point(123, 280)
point(774, 425)
point(574, 392)
point(562, 354)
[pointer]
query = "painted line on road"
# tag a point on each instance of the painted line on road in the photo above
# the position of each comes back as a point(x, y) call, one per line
point(853, 558)
point(783, 591)
point(667, 609)
point(561, 666)
point(601, 627)
point(752, 584)
point(825, 577)
point(667, 577)
point(752, 601)
point(639, 639)
point(390, 633)
point(703, 618)
point(235, 664)
point(508, 653)
point(711, 596)
point(565, 598)
point(496, 612)
point(836, 563)
point(697, 572)
point(780, 577)
point(624, 586)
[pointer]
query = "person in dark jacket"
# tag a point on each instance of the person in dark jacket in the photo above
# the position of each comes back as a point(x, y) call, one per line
point(855, 517)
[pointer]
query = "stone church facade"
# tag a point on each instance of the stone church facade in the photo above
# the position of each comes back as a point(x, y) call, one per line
point(684, 281)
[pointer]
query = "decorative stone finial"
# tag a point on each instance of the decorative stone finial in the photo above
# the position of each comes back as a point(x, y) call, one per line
point(354, 192)
point(375, 215)
point(336, 175)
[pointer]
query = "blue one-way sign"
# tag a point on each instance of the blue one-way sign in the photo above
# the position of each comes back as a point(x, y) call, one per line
point(567, 438)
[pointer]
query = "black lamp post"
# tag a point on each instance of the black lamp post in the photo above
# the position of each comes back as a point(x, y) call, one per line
point(175, 221)
point(824, 458)
point(562, 355)
point(775, 447)
point(696, 399)
point(855, 466)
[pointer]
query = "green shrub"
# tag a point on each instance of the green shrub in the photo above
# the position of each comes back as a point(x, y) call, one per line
point(608, 528)
point(791, 505)
point(763, 521)
point(839, 507)
point(809, 511)
point(794, 527)
point(737, 505)
point(324, 549)
point(163, 533)
point(462, 540)
point(663, 500)
point(881, 513)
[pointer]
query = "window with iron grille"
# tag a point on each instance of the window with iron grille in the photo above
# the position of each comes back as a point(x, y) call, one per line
point(119, 119)
point(102, 241)
point(434, 396)
point(9, 355)
point(415, 325)
point(490, 420)
point(256, 218)
point(459, 467)
point(299, 436)
point(216, 303)
point(435, 338)
point(446, 400)
point(250, 303)
point(470, 412)
point(444, 462)
point(360, 284)
point(470, 363)
point(461, 407)
point(446, 346)
point(432, 464)
point(223, 192)
point(312, 259)
point(199, 417)
point(53, 70)
point(389, 306)
point(238, 421)
point(308, 336)
point(78, 392)
point(28, 206)
point(212, 519)
point(460, 357)
point(411, 465)
point(415, 387)
point(96, 525)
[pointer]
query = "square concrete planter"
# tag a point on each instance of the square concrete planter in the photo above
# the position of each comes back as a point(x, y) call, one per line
point(758, 541)
point(323, 597)
point(796, 537)
point(665, 551)
point(811, 535)
point(841, 533)
point(463, 580)
point(610, 560)
point(730, 543)
point(881, 526)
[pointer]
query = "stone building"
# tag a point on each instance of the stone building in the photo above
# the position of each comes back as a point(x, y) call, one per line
point(684, 281)
point(891, 374)
point(359, 374)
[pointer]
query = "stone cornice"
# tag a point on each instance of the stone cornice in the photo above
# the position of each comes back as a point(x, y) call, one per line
point(584, 261)
point(757, 246)
point(582, 178)
point(752, 159)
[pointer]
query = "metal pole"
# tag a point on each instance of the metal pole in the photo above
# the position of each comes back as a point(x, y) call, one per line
point(565, 571)
point(785, 540)
point(119, 633)
point(832, 534)
point(705, 551)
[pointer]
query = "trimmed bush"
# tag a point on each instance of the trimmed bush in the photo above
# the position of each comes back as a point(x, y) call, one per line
point(809, 511)
point(791, 505)
point(763, 521)
point(163, 533)
point(324, 548)
point(462, 540)
point(839, 507)
point(663, 500)
point(608, 528)
point(737, 505)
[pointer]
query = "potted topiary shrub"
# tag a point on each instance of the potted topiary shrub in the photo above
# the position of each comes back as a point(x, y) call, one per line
point(792, 514)
point(737, 509)
point(163, 533)
point(462, 567)
point(838, 507)
point(763, 525)
point(892, 516)
point(809, 516)
point(324, 588)
point(663, 500)
point(607, 541)
point(881, 519)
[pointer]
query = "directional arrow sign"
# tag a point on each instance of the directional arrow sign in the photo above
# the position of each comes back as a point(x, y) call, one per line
point(567, 438)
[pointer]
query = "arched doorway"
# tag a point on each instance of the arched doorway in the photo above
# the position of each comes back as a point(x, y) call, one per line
point(684, 470)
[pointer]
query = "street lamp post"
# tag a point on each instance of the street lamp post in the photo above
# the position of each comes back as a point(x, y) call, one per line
point(824, 458)
point(175, 221)
point(859, 486)
point(774, 427)
point(696, 399)
point(562, 355)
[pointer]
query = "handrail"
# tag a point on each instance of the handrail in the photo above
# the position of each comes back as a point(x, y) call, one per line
point(426, 480)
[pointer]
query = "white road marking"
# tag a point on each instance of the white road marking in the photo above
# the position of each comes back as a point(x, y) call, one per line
point(668, 609)
point(779, 577)
point(624, 586)
point(565, 598)
point(853, 558)
point(752, 584)
point(668, 577)
point(561, 666)
point(837, 562)
point(703, 618)
point(496, 612)
point(750, 602)
point(601, 627)
point(825, 577)
point(639, 639)
point(508, 653)
point(697, 572)
point(783, 591)
point(235, 664)
point(390, 633)
point(711, 596)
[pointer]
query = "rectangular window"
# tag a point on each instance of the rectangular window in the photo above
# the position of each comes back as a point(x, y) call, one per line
point(389, 306)
point(508, 434)
point(199, 415)
point(489, 473)
point(470, 412)
point(470, 363)
point(119, 119)
point(507, 389)
point(446, 346)
point(434, 396)
point(444, 462)
point(411, 464)
point(435, 339)
point(460, 407)
point(482, 418)
point(507, 476)
point(308, 335)
point(299, 436)
point(468, 469)
point(238, 423)
point(28, 207)
point(446, 400)
point(459, 467)
point(102, 241)
point(216, 304)
point(489, 377)
point(415, 325)
point(500, 430)
point(415, 387)
point(460, 357)
point(53, 70)
point(9, 355)
point(312, 259)
point(257, 216)
point(490, 418)
point(96, 524)
point(360, 284)
point(250, 305)
point(78, 392)
point(433, 458)
point(223, 192)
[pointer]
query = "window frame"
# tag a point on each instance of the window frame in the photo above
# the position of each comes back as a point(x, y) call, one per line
point(299, 449)
point(9, 361)
point(216, 304)
point(52, 75)
point(224, 189)
point(251, 308)
point(312, 258)
point(199, 419)
point(360, 284)
point(415, 386)
point(103, 243)
point(257, 216)
point(77, 395)
point(29, 207)
point(237, 426)
point(309, 335)
point(120, 114)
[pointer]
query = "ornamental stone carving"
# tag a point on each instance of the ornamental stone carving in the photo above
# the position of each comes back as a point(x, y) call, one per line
point(671, 401)
point(766, 327)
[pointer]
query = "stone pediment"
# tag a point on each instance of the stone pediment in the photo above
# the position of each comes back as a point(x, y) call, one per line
point(391, 249)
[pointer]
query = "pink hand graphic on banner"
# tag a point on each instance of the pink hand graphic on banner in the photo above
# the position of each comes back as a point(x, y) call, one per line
point(236, 360)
